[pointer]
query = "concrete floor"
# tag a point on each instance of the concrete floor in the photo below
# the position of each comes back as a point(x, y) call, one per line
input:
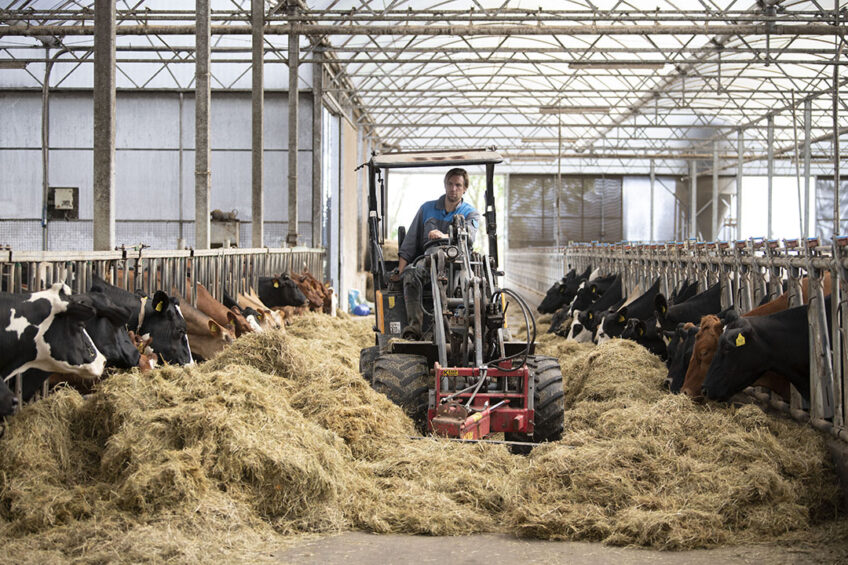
point(358, 548)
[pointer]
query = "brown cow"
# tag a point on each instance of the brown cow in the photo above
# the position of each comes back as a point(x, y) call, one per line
point(311, 288)
point(220, 313)
point(269, 319)
point(206, 337)
point(706, 343)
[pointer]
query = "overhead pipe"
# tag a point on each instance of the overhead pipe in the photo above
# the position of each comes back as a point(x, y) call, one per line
point(809, 29)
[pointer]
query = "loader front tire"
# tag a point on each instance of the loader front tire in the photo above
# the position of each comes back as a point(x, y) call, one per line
point(367, 356)
point(405, 380)
point(548, 401)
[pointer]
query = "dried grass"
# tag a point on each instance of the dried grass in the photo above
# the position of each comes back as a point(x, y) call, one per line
point(279, 435)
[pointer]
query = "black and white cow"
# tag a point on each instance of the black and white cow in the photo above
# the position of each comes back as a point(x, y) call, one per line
point(563, 291)
point(591, 291)
point(107, 329)
point(45, 330)
point(280, 291)
point(691, 310)
point(586, 321)
point(158, 317)
point(109, 332)
point(647, 334)
point(751, 346)
point(613, 324)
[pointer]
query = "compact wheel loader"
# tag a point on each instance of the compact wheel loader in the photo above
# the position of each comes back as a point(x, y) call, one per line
point(464, 377)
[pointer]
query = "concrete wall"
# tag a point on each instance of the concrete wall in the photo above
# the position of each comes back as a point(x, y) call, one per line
point(153, 190)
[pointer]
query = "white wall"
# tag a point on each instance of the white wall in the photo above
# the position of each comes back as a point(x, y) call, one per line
point(148, 174)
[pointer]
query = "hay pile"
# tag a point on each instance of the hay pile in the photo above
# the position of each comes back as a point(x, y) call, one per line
point(279, 435)
point(639, 466)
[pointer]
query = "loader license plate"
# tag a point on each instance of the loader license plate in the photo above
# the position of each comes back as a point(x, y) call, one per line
point(394, 327)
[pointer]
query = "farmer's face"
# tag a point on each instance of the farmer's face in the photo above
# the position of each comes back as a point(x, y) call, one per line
point(454, 189)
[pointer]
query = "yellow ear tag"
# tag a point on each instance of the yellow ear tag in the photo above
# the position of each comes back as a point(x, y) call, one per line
point(663, 309)
point(740, 340)
point(621, 319)
point(276, 284)
point(159, 306)
point(590, 315)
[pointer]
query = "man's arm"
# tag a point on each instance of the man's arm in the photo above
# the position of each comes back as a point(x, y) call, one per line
point(409, 247)
point(472, 223)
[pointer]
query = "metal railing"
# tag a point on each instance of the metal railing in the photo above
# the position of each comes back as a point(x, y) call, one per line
point(750, 271)
point(148, 270)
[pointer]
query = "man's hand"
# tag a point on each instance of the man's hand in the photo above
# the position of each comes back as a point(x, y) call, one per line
point(394, 275)
point(436, 234)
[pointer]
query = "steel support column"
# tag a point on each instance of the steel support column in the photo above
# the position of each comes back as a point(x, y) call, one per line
point(653, 180)
point(740, 141)
point(714, 219)
point(257, 18)
point(837, 55)
point(770, 162)
point(104, 125)
point(202, 176)
point(317, 140)
point(294, 55)
point(808, 118)
point(693, 199)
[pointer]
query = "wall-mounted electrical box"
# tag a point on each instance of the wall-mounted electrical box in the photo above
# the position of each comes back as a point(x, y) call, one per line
point(63, 202)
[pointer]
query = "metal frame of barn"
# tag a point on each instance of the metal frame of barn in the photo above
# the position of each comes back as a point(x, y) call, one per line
point(690, 89)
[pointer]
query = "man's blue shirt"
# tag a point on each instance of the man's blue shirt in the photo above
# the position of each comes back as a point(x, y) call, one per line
point(433, 216)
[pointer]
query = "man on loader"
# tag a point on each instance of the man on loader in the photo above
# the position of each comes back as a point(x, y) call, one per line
point(432, 222)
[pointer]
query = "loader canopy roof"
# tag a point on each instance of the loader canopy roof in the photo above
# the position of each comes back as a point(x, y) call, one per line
point(446, 158)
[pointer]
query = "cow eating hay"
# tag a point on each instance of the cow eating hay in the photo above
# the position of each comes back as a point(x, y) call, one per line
point(279, 435)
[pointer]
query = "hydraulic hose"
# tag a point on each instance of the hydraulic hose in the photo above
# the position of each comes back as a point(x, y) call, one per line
point(529, 322)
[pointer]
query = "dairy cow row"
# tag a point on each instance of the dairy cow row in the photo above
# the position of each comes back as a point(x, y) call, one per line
point(57, 335)
point(710, 352)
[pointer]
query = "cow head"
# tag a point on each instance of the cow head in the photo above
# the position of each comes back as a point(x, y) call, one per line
point(587, 293)
point(209, 343)
point(738, 360)
point(583, 327)
point(660, 307)
point(280, 291)
point(109, 333)
point(558, 319)
point(634, 330)
point(562, 292)
point(164, 322)
point(612, 325)
point(253, 318)
point(680, 349)
point(8, 400)
point(703, 350)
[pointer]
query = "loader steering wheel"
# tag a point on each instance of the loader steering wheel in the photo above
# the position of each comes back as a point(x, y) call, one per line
point(436, 243)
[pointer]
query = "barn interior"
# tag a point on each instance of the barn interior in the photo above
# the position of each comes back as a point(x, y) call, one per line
point(165, 144)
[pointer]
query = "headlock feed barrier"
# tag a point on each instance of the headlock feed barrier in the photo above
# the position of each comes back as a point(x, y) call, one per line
point(749, 271)
point(219, 270)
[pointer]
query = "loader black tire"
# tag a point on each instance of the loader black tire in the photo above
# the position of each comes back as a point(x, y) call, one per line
point(548, 401)
point(367, 356)
point(405, 380)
